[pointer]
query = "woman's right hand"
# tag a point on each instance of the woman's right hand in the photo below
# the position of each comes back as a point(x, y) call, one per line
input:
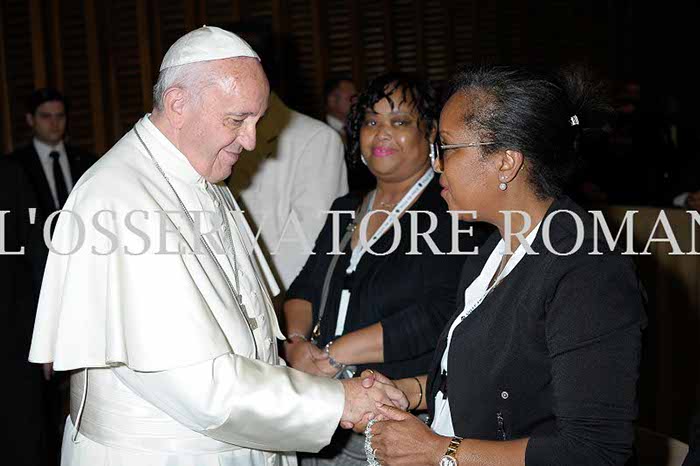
point(302, 355)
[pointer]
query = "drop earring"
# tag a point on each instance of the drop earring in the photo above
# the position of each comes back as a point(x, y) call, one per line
point(503, 185)
point(364, 160)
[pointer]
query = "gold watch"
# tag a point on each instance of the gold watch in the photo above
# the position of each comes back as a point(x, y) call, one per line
point(449, 458)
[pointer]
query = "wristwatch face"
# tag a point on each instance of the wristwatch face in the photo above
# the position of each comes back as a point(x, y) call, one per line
point(448, 461)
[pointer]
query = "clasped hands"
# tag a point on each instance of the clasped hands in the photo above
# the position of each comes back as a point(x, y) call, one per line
point(362, 395)
point(398, 438)
point(365, 396)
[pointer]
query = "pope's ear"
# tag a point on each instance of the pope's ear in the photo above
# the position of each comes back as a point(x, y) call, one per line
point(174, 101)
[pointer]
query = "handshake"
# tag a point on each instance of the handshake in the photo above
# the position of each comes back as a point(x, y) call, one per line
point(364, 396)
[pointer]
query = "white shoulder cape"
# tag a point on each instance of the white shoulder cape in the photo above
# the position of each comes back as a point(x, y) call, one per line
point(152, 311)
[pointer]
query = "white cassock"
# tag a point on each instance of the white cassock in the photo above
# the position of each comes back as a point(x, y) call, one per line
point(178, 373)
point(289, 182)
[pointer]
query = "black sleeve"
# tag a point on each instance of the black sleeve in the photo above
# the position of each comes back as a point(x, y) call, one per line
point(593, 324)
point(414, 330)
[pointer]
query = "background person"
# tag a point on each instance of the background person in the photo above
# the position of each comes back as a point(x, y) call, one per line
point(382, 311)
point(339, 94)
point(51, 167)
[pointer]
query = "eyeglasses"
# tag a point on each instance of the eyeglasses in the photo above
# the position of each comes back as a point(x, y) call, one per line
point(437, 154)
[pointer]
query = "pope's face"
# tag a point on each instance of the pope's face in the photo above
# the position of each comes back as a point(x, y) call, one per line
point(221, 123)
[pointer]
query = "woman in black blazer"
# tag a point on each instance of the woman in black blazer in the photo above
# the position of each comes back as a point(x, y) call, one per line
point(539, 364)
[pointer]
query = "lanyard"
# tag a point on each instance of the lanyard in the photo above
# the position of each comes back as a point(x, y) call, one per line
point(406, 201)
point(360, 249)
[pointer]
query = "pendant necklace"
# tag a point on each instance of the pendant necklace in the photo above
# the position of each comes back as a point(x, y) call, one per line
point(252, 323)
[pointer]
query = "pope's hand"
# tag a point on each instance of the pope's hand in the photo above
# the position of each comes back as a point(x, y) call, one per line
point(361, 403)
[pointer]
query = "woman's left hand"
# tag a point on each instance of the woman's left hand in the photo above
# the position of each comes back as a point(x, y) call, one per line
point(403, 439)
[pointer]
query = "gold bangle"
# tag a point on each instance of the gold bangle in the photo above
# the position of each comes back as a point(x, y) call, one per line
point(420, 387)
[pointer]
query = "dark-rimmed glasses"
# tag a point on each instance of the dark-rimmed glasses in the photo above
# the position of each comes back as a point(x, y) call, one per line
point(438, 152)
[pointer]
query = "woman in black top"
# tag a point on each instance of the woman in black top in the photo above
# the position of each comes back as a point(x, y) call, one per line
point(539, 364)
point(401, 295)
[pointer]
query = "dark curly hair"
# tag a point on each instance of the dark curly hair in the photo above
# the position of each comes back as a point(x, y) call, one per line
point(419, 91)
point(530, 111)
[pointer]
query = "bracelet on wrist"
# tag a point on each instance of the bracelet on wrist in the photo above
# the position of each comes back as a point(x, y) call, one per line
point(296, 335)
point(335, 364)
point(420, 388)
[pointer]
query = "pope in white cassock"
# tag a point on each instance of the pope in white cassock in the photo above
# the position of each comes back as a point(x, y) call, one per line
point(156, 296)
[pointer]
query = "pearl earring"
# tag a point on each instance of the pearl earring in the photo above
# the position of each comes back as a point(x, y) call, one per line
point(503, 186)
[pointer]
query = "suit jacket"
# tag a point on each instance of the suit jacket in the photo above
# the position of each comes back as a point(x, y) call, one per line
point(552, 353)
point(19, 287)
point(78, 159)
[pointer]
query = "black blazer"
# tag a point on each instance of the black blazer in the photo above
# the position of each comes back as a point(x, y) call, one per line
point(552, 353)
point(78, 159)
point(411, 295)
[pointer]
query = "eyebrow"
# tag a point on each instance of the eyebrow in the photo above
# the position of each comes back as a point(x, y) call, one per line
point(390, 113)
point(238, 114)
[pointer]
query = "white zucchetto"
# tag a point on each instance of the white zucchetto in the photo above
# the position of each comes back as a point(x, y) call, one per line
point(205, 44)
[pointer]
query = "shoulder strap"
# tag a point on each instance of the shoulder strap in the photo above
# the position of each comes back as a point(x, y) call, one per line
point(361, 212)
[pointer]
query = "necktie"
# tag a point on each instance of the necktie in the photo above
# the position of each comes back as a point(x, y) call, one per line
point(59, 180)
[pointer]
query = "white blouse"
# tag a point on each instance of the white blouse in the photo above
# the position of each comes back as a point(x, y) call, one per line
point(473, 296)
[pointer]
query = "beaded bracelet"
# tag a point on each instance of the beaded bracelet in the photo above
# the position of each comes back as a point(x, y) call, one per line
point(335, 364)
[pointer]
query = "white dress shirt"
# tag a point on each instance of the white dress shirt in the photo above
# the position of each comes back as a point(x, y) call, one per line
point(44, 150)
point(473, 296)
point(335, 123)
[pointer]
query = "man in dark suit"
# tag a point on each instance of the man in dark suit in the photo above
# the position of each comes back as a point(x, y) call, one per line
point(49, 168)
point(20, 276)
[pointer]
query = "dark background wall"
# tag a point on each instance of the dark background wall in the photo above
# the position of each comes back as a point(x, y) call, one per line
point(104, 54)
